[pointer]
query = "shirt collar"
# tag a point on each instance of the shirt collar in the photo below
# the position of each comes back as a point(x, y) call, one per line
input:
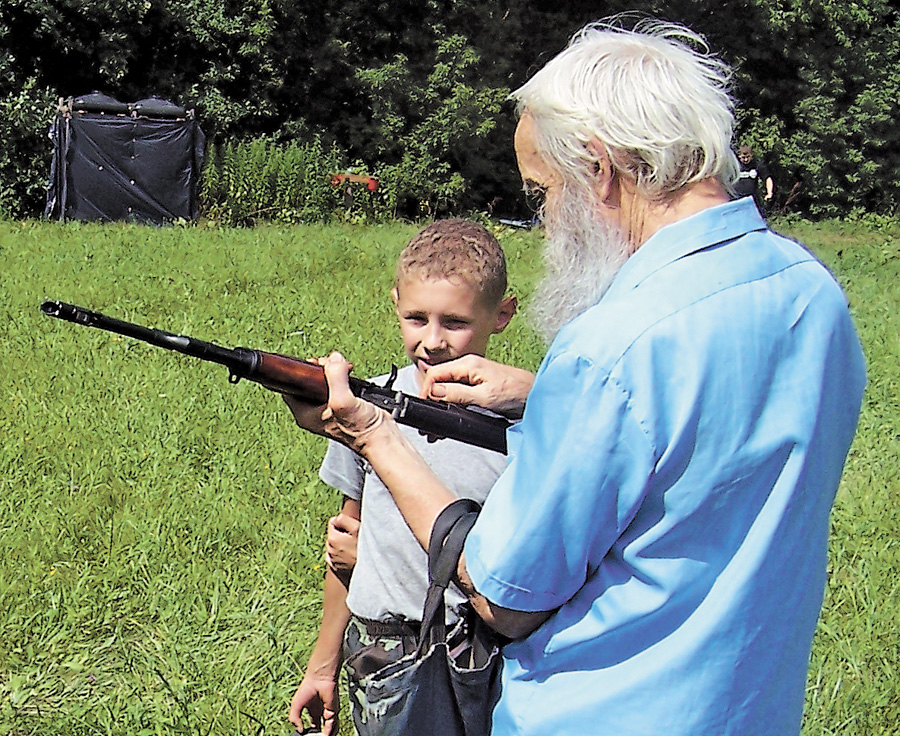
point(706, 228)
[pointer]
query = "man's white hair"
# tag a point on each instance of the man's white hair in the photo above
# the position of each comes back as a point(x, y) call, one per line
point(653, 97)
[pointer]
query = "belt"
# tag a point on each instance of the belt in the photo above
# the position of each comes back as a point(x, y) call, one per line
point(392, 628)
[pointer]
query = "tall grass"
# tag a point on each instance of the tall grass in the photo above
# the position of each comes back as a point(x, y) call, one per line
point(250, 182)
point(161, 529)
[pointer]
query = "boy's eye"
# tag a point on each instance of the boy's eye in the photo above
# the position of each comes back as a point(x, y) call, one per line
point(456, 324)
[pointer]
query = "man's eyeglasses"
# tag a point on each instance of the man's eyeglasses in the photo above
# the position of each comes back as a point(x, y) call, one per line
point(535, 197)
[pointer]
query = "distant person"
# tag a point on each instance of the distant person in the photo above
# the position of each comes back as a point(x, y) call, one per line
point(450, 298)
point(656, 548)
point(753, 172)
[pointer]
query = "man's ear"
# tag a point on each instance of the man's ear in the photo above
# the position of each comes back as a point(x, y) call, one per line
point(505, 312)
point(603, 173)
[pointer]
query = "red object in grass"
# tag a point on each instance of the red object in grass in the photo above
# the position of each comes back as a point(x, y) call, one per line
point(370, 181)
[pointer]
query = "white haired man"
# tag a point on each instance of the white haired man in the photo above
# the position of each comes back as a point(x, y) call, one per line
point(656, 547)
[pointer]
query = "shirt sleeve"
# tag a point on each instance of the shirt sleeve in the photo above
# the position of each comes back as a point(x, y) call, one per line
point(344, 470)
point(575, 483)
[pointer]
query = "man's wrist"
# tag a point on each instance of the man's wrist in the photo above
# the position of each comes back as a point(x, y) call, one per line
point(380, 437)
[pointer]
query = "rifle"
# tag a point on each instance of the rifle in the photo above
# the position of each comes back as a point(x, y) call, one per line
point(306, 380)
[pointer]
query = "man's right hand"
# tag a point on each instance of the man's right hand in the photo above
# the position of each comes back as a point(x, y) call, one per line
point(319, 697)
point(473, 379)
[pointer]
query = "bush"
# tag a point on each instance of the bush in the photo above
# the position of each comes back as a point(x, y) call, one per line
point(425, 130)
point(25, 117)
point(260, 180)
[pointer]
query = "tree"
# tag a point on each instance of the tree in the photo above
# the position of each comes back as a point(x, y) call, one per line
point(422, 129)
point(819, 86)
point(817, 82)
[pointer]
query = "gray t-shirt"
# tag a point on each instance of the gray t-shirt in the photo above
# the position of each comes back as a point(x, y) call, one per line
point(391, 574)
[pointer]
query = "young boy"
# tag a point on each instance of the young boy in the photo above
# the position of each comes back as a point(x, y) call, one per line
point(450, 298)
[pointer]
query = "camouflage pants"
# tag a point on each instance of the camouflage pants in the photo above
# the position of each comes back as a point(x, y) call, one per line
point(369, 646)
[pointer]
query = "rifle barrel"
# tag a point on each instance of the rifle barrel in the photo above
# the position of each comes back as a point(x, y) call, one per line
point(236, 360)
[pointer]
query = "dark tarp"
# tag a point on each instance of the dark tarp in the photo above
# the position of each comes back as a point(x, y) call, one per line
point(112, 160)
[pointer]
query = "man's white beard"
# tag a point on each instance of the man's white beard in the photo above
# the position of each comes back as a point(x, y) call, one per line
point(582, 255)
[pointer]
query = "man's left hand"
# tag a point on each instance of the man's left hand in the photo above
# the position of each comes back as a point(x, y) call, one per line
point(345, 418)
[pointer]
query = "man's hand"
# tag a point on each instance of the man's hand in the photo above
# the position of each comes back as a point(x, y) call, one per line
point(476, 380)
point(319, 697)
point(345, 418)
point(340, 545)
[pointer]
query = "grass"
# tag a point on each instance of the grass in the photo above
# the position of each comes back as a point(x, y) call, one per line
point(161, 529)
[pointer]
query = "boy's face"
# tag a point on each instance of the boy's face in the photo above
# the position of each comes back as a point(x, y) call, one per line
point(442, 319)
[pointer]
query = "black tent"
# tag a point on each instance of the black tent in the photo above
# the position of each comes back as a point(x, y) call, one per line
point(137, 161)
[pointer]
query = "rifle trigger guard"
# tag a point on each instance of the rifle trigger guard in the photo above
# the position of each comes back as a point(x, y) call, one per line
point(233, 377)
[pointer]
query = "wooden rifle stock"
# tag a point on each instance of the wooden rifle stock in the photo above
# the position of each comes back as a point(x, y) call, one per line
point(291, 376)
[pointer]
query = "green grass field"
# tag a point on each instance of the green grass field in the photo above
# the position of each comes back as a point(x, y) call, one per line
point(161, 529)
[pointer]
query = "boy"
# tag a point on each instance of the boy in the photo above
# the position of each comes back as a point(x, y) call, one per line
point(449, 299)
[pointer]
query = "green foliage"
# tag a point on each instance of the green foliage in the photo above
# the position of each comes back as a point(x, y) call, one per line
point(25, 117)
point(233, 82)
point(414, 88)
point(826, 116)
point(424, 127)
point(66, 39)
point(260, 180)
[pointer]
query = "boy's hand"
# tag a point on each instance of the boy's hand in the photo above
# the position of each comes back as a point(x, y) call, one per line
point(473, 379)
point(345, 418)
point(319, 697)
point(340, 545)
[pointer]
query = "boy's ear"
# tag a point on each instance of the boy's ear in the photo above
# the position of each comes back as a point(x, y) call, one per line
point(395, 295)
point(505, 312)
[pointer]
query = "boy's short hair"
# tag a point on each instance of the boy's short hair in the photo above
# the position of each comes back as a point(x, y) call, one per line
point(457, 249)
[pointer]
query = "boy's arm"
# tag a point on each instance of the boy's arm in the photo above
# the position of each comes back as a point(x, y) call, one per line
point(318, 691)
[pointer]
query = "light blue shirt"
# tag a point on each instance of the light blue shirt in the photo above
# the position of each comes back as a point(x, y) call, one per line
point(669, 492)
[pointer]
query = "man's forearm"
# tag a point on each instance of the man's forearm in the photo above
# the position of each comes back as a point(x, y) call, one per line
point(418, 492)
point(421, 496)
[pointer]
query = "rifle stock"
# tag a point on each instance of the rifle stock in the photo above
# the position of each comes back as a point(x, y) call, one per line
point(306, 380)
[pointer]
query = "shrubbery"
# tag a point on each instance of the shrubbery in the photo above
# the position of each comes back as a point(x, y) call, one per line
point(422, 101)
point(260, 180)
point(25, 117)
